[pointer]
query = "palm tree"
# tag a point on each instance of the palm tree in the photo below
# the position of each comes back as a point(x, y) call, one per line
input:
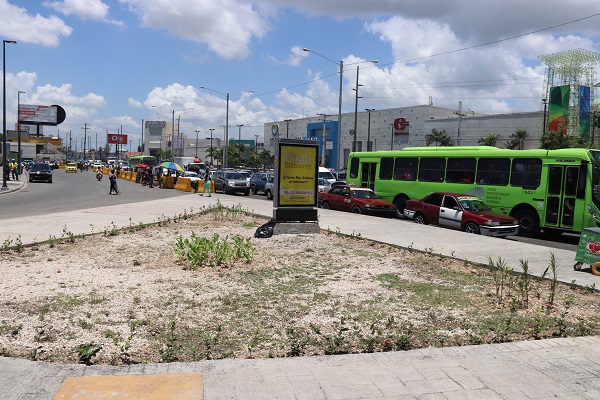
point(517, 140)
point(488, 140)
point(438, 137)
point(214, 153)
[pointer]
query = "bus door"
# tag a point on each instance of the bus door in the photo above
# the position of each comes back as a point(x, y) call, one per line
point(367, 177)
point(562, 191)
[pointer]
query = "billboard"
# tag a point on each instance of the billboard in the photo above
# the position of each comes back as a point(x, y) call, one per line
point(116, 138)
point(298, 166)
point(41, 115)
point(584, 112)
point(558, 120)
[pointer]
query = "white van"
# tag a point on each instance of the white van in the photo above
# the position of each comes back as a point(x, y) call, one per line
point(325, 173)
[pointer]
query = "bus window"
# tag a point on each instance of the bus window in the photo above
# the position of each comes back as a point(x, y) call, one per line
point(571, 182)
point(493, 171)
point(526, 172)
point(432, 169)
point(354, 163)
point(461, 170)
point(405, 169)
point(386, 168)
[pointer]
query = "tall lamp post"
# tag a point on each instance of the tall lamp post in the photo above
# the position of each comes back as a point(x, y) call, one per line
point(544, 123)
point(369, 128)
point(356, 110)
point(211, 146)
point(196, 143)
point(323, 164)
point(225, 149)
point(256, 144)
point(287, 128)
point(240, 142)
point(4, 155)
point(341, 64)
point(19, 129)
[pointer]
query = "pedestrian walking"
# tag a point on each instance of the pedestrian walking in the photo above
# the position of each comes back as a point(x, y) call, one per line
point(112, 178)
point(206, 183)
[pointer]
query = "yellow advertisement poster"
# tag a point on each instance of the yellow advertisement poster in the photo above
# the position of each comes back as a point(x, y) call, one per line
point(297, 175)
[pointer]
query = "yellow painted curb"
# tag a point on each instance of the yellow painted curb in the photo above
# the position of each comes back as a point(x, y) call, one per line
point(148, 387)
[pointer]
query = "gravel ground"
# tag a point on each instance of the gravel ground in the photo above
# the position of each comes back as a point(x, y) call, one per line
point(129, 298)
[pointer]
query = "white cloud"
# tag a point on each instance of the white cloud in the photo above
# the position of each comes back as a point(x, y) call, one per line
point(226, 26)
point(17, 24)
point(94, 10)
point(134, 103)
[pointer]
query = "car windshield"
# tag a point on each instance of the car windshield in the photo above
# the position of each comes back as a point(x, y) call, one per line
point(364, 194)
point(474, 205)
point(234, 175)
point(326, 175)
point(40, 167)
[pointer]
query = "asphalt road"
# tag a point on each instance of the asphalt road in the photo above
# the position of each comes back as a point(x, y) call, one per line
point(74, 191)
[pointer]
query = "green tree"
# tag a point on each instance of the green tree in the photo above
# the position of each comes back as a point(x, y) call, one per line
point(439, 138)
point(556, 140)
point(215, 154)
point(517, 140)
point(265, 158)
point(488, 140)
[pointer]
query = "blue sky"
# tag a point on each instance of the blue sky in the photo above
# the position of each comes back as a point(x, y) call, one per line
point(112, 63)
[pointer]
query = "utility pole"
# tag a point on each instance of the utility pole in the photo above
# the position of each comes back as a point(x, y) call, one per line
point(287, 128)
point(369, 128)
point(355, 110)
point(196, 143)
point(460, 115)
point(85, 128)
point(323, 164)
point(211, 146)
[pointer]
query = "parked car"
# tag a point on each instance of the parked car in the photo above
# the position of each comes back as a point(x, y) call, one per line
point(358, 200)
point(270, 187)
point(325, 173)
point(230, 182)
point(324, 185)
point(258, 181)
point(460, 211)
point(40, 172)
point(71, 167)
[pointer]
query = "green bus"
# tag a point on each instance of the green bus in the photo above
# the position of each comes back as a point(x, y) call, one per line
point(554, 190)
point(148, 160)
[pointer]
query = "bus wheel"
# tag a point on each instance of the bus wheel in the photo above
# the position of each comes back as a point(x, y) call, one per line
point(596, 268)
point(400, 204)
point(529, 223)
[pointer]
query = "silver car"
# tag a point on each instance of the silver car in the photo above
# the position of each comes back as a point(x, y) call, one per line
point(231, 182)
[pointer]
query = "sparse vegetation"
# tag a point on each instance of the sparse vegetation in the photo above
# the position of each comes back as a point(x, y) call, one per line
point(145, 294)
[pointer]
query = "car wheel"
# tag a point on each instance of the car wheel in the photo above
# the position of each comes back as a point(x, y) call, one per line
point(356, 210)
point(247, 193)
point(269, 195)
point(400, 204)
point(419, 218)
point(472, 227)
point(325, 205)
point(529, 223)
point(254, 191)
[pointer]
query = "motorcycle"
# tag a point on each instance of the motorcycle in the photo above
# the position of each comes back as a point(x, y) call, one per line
point(99, 176)
point(148, 180)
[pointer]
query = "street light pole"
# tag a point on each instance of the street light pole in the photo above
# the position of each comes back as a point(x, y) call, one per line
point(4, 155)
point(196, 143)
point(240, 142)
point(287, 128)
point(369, 128)
point(211, 146)
point(19, 129)
point(323, 164)
point(256, 144)
point(355, 110)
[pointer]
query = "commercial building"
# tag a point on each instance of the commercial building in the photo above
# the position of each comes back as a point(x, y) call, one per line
point(396, 128)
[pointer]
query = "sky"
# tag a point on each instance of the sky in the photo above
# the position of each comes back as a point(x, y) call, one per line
point(113, 63)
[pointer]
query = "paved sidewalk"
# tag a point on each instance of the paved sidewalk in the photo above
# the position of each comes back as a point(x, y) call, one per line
point(556, 368)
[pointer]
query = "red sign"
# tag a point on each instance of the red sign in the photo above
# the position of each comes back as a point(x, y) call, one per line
point(401, 126)
point(115, 138)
